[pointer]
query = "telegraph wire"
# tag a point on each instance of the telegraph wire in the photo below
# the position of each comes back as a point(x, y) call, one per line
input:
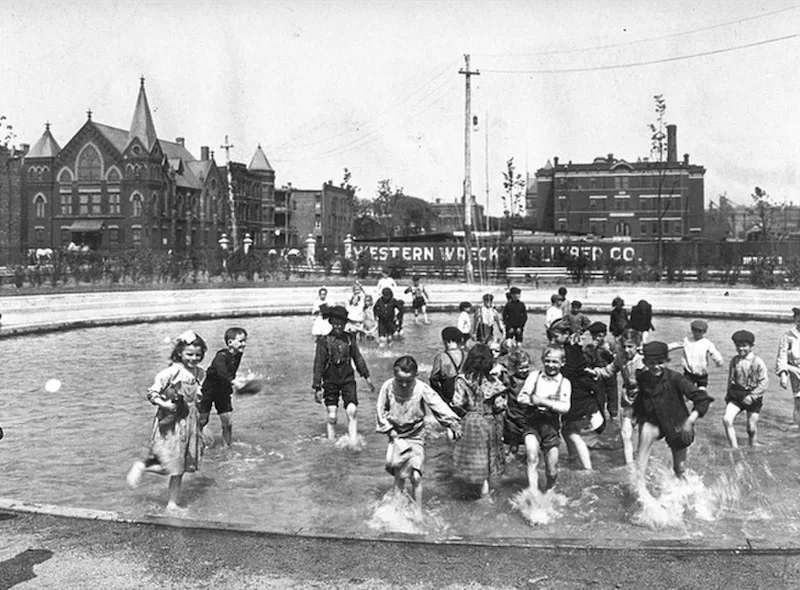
point(644, 63)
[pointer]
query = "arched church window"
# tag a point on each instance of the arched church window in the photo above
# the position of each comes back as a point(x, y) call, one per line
point(89, 164)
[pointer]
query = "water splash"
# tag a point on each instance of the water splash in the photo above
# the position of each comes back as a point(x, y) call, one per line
point(396, 512)
point(538, 508)
point(344, 442)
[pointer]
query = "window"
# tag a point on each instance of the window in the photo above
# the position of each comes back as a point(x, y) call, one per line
point(154, 204)
point(136, 236)
point(136, 204)
point(113, 203)
point(38, 234)
point(66, 235)
point(97, 204)
point(622, 229)
point(113, 175)
point(38, 204)
point(65, 200)
point(89, 166)
point(65, 176)
point(113, 235)
point(83, 204)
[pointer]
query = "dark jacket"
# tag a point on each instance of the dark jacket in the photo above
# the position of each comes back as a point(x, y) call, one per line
point(389, 311)
point(641, 317)
point(334, 358)
point(221, 373)
point(618, 322)
point(662, 398)
point(515, 314)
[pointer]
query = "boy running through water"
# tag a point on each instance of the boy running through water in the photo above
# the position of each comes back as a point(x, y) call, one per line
point(333, 373)
point(696, 351)
point(419, 300)
point(403, 402)
point(747, 382)
point(218, 386)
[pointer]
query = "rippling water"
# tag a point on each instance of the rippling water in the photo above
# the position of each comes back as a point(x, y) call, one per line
point(74, 447)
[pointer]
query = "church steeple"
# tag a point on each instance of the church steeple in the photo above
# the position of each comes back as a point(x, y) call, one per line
point(46, 146)
point(142, 124)
point(259, 162)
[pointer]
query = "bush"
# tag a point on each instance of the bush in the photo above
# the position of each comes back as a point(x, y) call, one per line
point(578, 267)
point(346, 266)
point(762, 273)
point(363, 263)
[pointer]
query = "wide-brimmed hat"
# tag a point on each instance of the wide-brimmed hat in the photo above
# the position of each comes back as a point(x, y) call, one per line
point(336, 312)
point(655, 351)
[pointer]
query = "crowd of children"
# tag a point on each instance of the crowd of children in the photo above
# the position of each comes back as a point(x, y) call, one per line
point(482, 387)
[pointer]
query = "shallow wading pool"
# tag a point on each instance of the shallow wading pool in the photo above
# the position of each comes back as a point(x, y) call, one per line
point(74, 447)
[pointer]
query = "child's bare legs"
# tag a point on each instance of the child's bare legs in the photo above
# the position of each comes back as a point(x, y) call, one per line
point(204, 418)
point(485, 488)
point(532, 455)
point(399, 482)
point(416, 486)
point(626, 434)
point(551, 467)
point(577, 446)
point(731, 411)
point(174, 490)
point(648, 434)
point(678, 459)
point(352, 421)
point(330, 425)
point(796, 414)
point(226, 418)
point(752, 428)
point(425, 319)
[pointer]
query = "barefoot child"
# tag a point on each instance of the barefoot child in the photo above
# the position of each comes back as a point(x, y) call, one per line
point(488, 323)
point(464, 322)
point(320, 326)
point(401, 408)
point(599, 354)
point(747, 382)
point(175, 444)
point(333, 373)
point(661, 409)
point(389, 316)
point(419, 300)
point(447, 364)
point(696, 352)
point(546, 397)
point(515, 315)
point(787, 363)
point(218, 386)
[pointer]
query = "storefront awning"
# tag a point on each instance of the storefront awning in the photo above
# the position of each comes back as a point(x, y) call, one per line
point(86, 225)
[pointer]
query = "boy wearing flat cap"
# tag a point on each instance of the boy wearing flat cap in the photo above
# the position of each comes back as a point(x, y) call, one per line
point(661, 409)
point(600, 354)
point(696, 351)
point(515, 315)
point(747, 382)
point(787, 365)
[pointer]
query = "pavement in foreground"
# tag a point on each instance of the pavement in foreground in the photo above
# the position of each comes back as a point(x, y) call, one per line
point(66, 553)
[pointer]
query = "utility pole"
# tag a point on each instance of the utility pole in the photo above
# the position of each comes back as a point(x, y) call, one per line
point(231, 201)
point(467, 167)
point(486, 212)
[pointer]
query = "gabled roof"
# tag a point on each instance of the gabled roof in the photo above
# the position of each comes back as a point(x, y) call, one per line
point(142, 126)
point(175, 150)
point(200, 168)
point(46, 147)
point(118, 137)
point(259, 161)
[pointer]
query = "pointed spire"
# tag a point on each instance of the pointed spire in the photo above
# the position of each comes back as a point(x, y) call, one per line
point(46, 147)
point(142, 123)
point(259, 161)
point(89, 115)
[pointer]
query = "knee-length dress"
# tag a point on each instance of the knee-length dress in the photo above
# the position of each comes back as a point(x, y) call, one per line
point(479, 454)
point(175, 446)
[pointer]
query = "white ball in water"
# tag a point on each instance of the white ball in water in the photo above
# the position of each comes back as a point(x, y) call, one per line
point(52, 385)
point(167, 339)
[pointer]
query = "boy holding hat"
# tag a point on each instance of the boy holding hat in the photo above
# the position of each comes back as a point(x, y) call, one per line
point(696, 351)
point(661, 409)
point(747, 382)
point(333, 372)
point(787, 365)
point(515, 315)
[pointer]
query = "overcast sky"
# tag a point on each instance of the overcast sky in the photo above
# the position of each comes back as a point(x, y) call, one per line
point(374, 86)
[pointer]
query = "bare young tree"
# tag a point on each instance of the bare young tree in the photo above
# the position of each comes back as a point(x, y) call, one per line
point(766, 211)
point(513, 199)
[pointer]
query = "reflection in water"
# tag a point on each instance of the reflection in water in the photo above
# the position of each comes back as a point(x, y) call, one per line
point(73, 447)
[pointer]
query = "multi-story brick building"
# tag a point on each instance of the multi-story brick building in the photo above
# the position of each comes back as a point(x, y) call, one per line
point(325, 214)
point(11, 209)
point(449, 216)
point(613, 197)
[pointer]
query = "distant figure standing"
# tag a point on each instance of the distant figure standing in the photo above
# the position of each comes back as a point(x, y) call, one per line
point(554, 312)
point(385, 282)
point(465, 321)
point(515, 315)
point(578, 321)
point(787, 364)
point(642, 319)
point(488, 323)
point(419, 299)
point(389, 316)
point(565, 304)
point(320, 325)
point(618, 321)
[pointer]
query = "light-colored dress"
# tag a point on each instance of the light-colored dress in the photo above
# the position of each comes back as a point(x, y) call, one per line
point(320, 326)
point(176, 448)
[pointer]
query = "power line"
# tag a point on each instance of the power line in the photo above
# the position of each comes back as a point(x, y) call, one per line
point(644, 63)
point(648, 40)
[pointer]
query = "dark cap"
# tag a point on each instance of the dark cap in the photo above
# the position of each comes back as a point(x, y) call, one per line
point(387, 292)
point(452, 334)
point(336, 312)
point(796, 310)
point(555, 298)
point(597, 328)
point(515, 290)
point(699, 325)
point(743, 336)
point(561, 326)
point(655, 351)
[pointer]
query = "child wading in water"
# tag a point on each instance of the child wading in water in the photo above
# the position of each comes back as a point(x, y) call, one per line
point(747, 382)
point(419, 299)
point(402, 404)
point(334, 376)
point(320, 326)
point(175, 444)
point(218, 386)
point(696, 351)
point(661, 409)
point(447, 364)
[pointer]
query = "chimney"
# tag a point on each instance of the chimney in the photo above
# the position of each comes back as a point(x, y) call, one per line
point(672, 143)
point(685, 159)
point(24, 148)
point(180, 140)
point(610, 158)
point(204, 153)
point(555, 161)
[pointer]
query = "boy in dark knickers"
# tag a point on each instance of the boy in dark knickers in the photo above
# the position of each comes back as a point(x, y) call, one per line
point(333, 373)
point(389, 316)
point(515, 315)
point(218, 386)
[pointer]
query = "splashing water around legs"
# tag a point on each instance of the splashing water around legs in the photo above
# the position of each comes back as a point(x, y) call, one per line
point(538, 508)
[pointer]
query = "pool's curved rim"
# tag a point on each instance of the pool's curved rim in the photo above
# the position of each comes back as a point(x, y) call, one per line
point(665, 545)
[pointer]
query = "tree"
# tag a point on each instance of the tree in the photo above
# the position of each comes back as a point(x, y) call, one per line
point(7, 134)
point(513, 199)
point(383, 207)
point(659, 154)
point(766, 211)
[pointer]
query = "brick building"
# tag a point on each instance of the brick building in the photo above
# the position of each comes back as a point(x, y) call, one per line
point(326, 214)
point(11, 210)
point(613, 197)
point(449, 216)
